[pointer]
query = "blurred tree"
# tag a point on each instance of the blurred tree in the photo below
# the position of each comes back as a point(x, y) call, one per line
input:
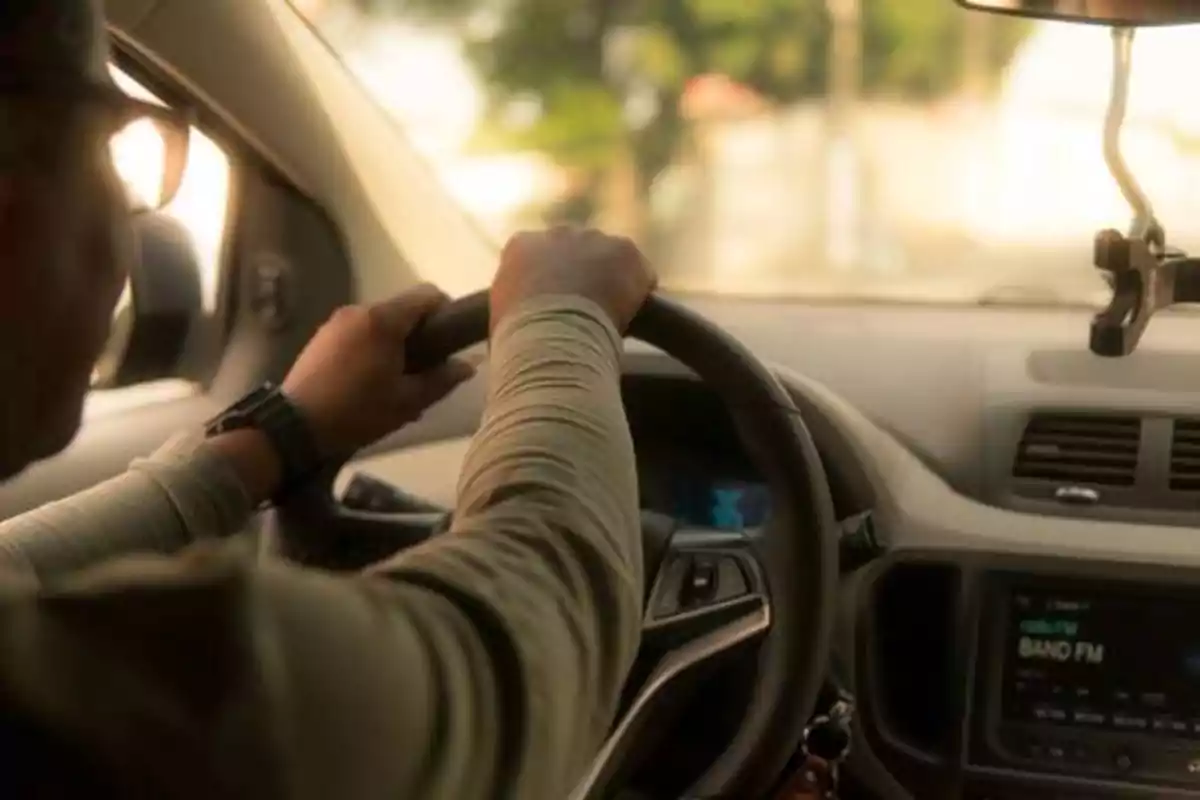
point(590, 82)
point(915, 48)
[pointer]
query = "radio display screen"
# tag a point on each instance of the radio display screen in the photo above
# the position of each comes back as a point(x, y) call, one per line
point(1090, 655)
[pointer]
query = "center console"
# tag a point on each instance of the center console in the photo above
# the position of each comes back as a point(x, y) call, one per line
point(1089, 678)
point(1004, 677)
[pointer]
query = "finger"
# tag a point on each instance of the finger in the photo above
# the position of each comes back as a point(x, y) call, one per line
point(635, 252)
point(515, 245)
point(399, 315)
point(425, 389)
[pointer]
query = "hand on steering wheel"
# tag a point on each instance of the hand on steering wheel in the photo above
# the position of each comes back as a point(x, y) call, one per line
point(352, 382)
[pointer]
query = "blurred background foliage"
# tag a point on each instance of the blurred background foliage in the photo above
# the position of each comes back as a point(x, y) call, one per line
point(597, 83)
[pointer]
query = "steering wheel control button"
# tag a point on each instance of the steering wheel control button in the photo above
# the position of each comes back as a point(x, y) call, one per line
point(701, 586)
point(731, 580)
point(668, 599)
point(694, 580)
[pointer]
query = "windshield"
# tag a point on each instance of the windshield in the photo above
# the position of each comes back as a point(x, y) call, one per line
point(866, 149)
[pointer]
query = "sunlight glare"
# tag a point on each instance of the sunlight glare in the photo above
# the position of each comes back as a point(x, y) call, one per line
point(1051, 182)
point(203, 198)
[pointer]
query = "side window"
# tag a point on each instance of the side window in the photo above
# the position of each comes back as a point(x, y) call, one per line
point(171, 296)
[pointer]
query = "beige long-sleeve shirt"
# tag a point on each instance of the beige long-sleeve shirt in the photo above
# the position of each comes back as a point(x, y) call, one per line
point(485, 663)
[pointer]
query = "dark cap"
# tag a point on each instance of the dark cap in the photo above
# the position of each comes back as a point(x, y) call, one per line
point(53, 40)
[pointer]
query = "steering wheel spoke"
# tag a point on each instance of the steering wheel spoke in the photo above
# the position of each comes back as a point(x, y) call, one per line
point(707, 600)
point(707, 579)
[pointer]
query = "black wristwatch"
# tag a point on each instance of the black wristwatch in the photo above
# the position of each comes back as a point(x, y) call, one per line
point(269, 410)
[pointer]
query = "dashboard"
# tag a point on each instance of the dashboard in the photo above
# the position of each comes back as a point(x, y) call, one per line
point(1002, 647)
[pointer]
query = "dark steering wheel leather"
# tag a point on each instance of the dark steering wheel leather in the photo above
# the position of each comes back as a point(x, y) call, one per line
point(796, 553)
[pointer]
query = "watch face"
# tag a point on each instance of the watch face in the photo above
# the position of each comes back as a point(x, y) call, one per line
point(240, 414)
point(254, 399)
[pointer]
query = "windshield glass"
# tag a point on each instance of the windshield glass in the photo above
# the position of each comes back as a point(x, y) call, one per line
point(875, 149)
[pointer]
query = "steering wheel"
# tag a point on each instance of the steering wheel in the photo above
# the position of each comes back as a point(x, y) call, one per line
point(709, 591)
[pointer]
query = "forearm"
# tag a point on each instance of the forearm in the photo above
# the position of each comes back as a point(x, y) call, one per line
point(545, 545)
point(187, 491)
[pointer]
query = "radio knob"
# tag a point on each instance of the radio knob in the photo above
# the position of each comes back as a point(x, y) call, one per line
point(1123, 761)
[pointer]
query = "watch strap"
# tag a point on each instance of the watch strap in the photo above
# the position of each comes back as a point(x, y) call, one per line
point(268, 410)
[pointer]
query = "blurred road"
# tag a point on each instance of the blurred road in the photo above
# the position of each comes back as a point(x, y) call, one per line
point(920, 205)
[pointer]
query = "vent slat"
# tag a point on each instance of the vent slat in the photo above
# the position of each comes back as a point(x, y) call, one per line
point(1040, 447)
point(1185, 455)
point(1185, 463)
point(1080, 448)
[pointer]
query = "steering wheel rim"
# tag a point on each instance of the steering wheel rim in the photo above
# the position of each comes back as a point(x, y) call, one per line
point(796, 554)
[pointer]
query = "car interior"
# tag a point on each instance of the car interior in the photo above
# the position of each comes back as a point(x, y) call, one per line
point(953, 532)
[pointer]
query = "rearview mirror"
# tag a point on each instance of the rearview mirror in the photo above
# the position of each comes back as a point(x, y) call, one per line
point(1105, 12)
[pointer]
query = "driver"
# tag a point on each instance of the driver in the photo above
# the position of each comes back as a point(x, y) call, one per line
point(487, 662)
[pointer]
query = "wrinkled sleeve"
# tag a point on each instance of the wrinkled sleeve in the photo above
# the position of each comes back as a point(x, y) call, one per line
point(486, 663)
point(181, 494)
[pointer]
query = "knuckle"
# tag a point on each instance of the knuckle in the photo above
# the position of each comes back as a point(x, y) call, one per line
point(347, 315)
point(515, 245)
point(626, 249)
point(427, 291)
point(374, 319)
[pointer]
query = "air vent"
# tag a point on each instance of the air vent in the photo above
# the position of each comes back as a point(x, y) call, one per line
point(1082, 449)
point(1185, 455)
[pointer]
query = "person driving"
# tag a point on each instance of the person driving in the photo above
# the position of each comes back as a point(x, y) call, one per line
point(487, 662)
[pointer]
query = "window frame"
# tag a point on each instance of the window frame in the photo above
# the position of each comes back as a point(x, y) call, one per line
point(205, 344)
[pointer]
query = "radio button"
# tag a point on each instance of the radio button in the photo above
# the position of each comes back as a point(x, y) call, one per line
point(1083, 717)
point(1154, 699)
point(1169, 725)
point(1050, 713)
point(1130, 722)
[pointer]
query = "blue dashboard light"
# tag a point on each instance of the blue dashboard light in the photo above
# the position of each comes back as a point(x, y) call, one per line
point(726, 509)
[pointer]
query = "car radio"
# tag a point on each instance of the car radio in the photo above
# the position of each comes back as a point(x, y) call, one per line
point(1089, 678)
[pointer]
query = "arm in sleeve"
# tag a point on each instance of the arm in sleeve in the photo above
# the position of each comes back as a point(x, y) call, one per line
point(183, 493)
point(486, 663)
